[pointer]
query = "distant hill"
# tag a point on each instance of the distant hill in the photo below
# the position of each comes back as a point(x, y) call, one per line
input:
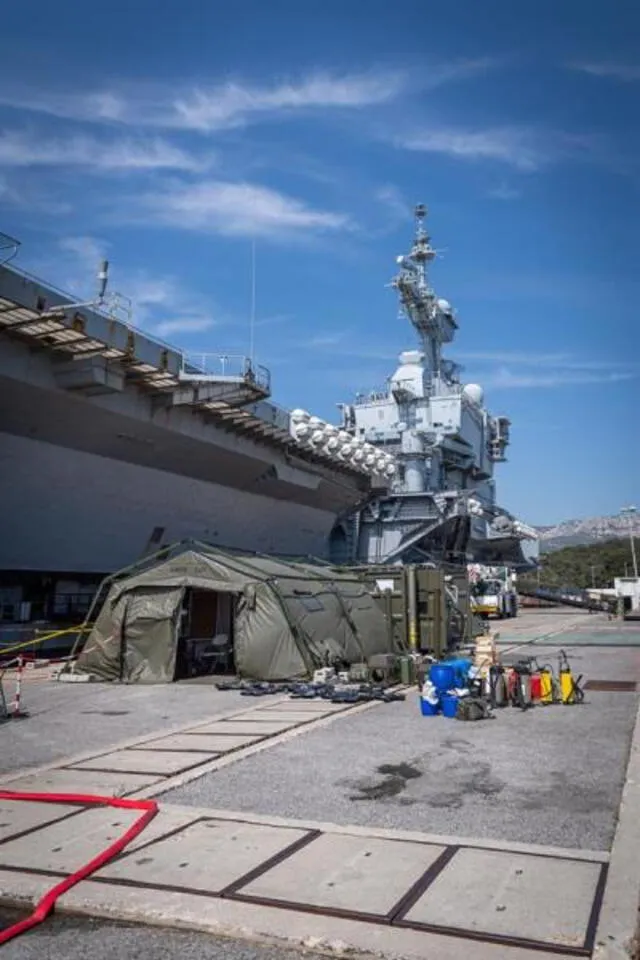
point(584, 566)
point(574, 533)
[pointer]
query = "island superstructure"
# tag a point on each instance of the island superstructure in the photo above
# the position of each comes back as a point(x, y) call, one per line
point(440, 442)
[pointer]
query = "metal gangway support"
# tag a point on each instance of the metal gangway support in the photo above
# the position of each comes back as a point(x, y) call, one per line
point(232, 379)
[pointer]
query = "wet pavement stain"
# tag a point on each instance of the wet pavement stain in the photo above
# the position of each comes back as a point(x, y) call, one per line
point(395, 781)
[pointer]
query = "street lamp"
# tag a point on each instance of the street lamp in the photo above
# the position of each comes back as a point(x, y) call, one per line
point(629, 513)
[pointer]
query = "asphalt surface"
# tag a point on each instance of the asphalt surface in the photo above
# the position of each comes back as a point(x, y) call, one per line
point(70, 718)
point(551, 775)
point(77, 938)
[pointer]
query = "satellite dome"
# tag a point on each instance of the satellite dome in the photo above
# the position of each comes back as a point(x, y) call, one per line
point(475, 393)
point(445, 306)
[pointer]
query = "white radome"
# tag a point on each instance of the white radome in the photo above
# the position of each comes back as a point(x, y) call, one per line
point(475, 393)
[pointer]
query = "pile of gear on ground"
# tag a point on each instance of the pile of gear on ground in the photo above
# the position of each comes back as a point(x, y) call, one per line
point(468, 689)
point(359, 683)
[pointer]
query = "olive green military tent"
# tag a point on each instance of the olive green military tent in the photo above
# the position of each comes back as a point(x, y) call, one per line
point(285, 619)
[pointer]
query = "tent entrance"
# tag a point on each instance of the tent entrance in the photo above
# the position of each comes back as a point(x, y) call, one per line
point(206, 636)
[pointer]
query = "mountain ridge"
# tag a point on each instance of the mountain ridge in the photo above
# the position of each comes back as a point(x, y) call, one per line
point(573, 533)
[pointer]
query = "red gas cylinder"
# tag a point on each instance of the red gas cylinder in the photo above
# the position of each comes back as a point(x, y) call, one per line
point(536, 687)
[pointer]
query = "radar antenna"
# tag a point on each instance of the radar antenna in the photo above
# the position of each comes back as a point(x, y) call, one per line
point(432, 318)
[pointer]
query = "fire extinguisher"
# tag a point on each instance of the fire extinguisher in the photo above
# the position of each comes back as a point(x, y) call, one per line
point(497, 687)
point(546, 684)
point(521, 692)
point(570, 691)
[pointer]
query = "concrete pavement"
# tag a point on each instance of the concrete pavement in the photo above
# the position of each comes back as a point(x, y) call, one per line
point(332, 887)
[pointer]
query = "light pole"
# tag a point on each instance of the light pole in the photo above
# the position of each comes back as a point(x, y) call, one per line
point(629, 513)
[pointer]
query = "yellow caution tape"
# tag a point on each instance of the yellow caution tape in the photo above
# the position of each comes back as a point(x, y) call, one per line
point(45, 636)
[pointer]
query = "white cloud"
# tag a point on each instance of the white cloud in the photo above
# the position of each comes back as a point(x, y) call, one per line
point(31, 198)
point(503, 192)
point(505, 369)
point(161, 305)
point(555, 361)
point(167, 328)
point(234, 103)
point(324, 340)
point(237, 209)
point(627, 72)
point(21, 149)
point(88, 251)
point(215, 106)
point(397, 207)
point(511, 145)
point(506, 379)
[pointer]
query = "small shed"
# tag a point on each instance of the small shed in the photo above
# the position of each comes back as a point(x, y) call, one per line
point(259, 617)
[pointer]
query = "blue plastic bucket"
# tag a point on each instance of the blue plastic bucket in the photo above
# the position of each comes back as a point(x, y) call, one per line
point(442, 676)
point(449, 705)
point(428, 709)
point(460, 667)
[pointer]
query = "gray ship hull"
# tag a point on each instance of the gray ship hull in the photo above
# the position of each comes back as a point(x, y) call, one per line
point(106, 453)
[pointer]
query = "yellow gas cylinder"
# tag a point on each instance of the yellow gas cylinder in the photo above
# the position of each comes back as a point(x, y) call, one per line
point(566, 685)
point(546, 686)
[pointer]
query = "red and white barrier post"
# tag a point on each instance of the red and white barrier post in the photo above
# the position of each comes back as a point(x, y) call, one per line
point(17, 712)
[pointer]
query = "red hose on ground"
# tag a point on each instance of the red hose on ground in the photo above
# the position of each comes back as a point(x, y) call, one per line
point(47, 903)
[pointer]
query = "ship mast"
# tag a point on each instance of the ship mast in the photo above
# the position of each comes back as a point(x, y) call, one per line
point(432, 318)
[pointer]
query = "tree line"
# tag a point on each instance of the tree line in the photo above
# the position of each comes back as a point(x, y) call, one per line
point(590, 565)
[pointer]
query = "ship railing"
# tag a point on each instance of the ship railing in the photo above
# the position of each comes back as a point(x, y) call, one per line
point(107, 308)
point(374, 395)
point(225, 368)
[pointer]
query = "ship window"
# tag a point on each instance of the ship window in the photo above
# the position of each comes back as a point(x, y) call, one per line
point(380, 414)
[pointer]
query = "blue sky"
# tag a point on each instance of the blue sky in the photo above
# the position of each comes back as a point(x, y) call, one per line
point(166, 137)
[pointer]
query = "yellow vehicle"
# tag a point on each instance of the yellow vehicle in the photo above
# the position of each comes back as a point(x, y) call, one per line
point(494, 597)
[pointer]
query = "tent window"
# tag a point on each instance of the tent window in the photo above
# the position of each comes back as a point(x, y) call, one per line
point(311, 604)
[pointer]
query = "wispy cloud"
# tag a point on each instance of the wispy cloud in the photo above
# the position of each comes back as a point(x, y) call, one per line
point(324, 340)
point(32, 198)
point(507, 379)
point(211, 107)
point(159, 304)
point(503, 192)
point(168, 328)
point(236, 209)
point(88, 251)
point(627, 72)
point(397, 208)
point(233, 104)
point(517, 147)
point(505, 369)
point(566, 361)
point(22, 149)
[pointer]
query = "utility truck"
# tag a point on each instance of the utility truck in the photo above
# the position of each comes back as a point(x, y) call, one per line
point(493, 592)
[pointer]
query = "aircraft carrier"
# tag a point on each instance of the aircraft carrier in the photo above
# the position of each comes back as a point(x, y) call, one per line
point(113, 443)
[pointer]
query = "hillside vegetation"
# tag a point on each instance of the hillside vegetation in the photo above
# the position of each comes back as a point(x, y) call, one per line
point(595, 564)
